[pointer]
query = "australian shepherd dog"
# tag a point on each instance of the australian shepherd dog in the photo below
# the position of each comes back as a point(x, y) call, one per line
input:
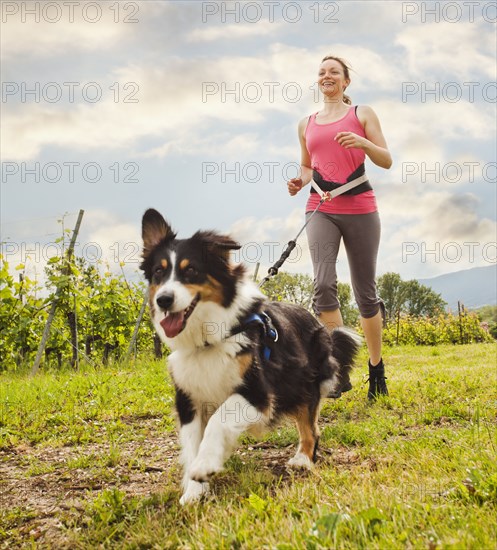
point(239, 362)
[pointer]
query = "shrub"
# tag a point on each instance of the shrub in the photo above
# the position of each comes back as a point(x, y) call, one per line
point(445, 328)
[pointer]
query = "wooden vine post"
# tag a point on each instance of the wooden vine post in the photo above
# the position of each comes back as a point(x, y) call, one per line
point(137, 327)
point(51, 315)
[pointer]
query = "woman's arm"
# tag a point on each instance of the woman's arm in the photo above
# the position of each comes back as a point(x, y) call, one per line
point(374, 144)
point(296, 184)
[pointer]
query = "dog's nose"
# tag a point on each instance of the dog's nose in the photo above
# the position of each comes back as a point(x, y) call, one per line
point(165, 300)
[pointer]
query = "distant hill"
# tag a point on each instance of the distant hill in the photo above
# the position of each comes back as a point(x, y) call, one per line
point(474, 287)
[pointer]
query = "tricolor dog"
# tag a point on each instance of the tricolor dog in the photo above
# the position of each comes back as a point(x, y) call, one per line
point(239, 362)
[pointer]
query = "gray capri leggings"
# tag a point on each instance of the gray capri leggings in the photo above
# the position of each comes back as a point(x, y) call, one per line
point(361, 237)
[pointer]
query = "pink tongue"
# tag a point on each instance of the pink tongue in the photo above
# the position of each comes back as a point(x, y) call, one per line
point(172, 324)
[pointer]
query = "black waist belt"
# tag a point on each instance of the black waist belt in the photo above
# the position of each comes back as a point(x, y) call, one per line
point(331, 185)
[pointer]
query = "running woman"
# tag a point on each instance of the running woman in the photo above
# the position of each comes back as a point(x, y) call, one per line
point(334, 144)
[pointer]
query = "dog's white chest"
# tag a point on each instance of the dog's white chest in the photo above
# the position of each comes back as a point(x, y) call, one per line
point(207, 375)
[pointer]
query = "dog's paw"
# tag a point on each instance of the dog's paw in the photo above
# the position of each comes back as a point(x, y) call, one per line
point(299, 461)
point(204, 467)
point(194, 492)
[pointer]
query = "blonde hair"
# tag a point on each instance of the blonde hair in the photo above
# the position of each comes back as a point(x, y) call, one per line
point(346, 72)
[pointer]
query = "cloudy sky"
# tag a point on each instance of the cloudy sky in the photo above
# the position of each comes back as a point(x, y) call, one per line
point(192, 108)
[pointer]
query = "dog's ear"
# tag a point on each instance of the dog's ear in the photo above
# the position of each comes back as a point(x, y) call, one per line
point(218, 244)
point(225, 243)
point(154, 230)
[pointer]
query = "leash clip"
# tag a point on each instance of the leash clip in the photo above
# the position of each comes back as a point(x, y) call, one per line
point(270, 330)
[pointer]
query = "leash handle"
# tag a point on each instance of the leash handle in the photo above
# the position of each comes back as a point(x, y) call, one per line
point(288, 250)
point(273, 270)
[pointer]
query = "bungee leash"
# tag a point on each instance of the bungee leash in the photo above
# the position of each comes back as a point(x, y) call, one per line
point(325, 196)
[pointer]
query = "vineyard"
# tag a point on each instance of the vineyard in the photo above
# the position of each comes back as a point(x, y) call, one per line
point(94, 321)
point(97, 312)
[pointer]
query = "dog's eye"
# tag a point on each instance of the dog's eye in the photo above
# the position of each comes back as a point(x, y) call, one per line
point(191, 271)
point(158, 270)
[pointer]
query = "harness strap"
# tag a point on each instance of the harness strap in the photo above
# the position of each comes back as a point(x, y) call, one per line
point(269, 332)
point(357, 183)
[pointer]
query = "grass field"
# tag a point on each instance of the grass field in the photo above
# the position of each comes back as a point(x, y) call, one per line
point(89, 460)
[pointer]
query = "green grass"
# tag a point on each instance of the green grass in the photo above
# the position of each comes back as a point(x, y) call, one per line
point(89, 460)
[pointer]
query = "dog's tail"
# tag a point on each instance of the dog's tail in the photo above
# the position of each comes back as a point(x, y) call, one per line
point(345, 345)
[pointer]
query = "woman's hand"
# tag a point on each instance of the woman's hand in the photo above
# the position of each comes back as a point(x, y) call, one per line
point(294, 186)
point(350, 140)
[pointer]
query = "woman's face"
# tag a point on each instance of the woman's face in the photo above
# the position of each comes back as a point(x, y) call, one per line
point(331, 77)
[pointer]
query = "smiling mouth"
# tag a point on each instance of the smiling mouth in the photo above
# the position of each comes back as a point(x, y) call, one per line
point(174, 323)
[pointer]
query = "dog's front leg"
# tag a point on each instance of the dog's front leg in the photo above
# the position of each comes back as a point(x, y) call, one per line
point(225, 426)
point(190, 435)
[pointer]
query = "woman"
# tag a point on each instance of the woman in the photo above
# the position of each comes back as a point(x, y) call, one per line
point(335, 142)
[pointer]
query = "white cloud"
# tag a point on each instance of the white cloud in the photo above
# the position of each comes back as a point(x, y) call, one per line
point(428, 233)
point(116, 240)
point(180, 97)
point(39, 30)
point(421, 137)
point(169, 100)
point(438, 215)
point(463, 51)
point(237, 31)
point(227, 145)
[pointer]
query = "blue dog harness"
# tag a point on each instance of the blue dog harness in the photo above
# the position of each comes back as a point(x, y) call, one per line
point(268, 331)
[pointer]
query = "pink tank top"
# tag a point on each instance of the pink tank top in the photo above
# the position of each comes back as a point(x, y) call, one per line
point(336, 164)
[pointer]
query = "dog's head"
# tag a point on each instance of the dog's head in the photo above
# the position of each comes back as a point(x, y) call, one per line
point(185, 272)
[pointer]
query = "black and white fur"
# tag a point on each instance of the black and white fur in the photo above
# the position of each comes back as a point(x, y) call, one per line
point(224, 386)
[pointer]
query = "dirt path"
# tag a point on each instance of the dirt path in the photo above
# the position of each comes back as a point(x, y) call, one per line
point(42, 489)
point(45, 485)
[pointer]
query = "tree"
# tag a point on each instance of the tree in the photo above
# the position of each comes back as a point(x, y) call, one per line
point(488, 314)
point(421, 300)
point(350, 313)
point(409, 297)
point(391, 289)
point(290, 287)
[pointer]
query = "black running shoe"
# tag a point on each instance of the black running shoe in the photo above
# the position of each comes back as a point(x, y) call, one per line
point(377, 384)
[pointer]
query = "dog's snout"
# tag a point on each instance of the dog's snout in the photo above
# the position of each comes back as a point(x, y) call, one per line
point(165, 300)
